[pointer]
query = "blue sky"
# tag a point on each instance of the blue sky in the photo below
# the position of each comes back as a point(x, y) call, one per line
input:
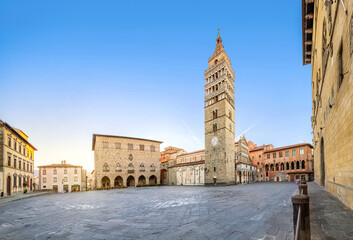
point(69, 69)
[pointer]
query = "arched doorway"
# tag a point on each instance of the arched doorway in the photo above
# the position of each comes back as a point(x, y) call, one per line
point(118, 181)
point(322, 163)
point(130, 182)
point(105, 182)
point(8, 186)
point(31, 184)
point(142, 180)
point(164, 177)
point(152, 179)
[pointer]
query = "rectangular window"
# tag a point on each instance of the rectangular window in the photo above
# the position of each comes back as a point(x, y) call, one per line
point(287, 153)
point(31, 168)
point(65, 179)
point(75, 172)
point(27, 167)
point(19, 164)
point(24, 150)
point(14, 162)
point(301, 151)
point(24, 166)
point(55, 179)
point(294, 152)
point(20, 148)
point(130, 146)
point(44, 180)
point(142, 147)
point(268, 156)
point(259, 156)
point(280, 154)
point(76, 179)
point(44, 172)
point(153, 149)
point(9, 142)
point(274, 155)
point(55, 171)
point(9, 160)
point(340, 66)
point(15, 145)
point(118, 145)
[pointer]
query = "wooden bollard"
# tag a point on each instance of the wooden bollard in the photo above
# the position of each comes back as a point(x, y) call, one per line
point(304, 228)
point(303, 189)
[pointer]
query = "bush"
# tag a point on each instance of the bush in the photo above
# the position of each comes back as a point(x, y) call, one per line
point(25, 191)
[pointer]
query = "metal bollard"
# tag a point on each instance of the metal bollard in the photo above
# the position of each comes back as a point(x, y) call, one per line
point(303, 231)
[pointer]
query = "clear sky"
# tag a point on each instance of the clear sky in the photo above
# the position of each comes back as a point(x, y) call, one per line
point(69, 69)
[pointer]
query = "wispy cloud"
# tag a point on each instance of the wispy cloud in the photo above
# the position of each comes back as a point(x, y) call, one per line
point(191, 132)
point(253, 125)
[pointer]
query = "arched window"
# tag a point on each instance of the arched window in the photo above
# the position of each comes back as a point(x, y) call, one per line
point(118, 167)
point(105, 167)
point(272, 167)
point(287, 166)
point(303, 164)
point(277, 167)
point(214, 112)
point(152, 168)
point(215, 127)
point(298, 165)
point(282, 166)
point(292, 165)
point(20, 181)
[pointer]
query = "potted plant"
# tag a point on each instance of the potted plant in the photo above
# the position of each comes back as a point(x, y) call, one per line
point(25, 185)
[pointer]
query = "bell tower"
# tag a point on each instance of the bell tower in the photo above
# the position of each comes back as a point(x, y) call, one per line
point(219, 119)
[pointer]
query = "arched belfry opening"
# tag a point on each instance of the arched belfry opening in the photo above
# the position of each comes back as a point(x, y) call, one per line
point(322, 163)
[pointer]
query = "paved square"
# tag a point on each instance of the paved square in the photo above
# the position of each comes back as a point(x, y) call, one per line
point(253, 211)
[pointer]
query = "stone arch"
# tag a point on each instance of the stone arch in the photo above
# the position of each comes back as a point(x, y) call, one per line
point(322, 162)
point(292, 165)
point(152, 180)
point(266, 168)
point(303, 164)
point(282, 166)
point(272, 167)
point(287, 166)
point(130, 182)
point(105, 182)
point(298, 165)
point(118, 181)
point(277, 167)
point(141, 180)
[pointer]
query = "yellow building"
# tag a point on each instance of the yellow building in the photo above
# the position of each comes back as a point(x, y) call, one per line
point(328, 46)
point(16, 161)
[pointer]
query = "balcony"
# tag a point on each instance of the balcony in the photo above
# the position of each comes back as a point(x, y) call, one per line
point(142, 169)
point(130, 169)
point(152, 169)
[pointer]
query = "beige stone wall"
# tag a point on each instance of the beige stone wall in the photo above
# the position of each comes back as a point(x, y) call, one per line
point(21, 165)
point(332, 119)
point(113, 156)
point(48, 178)
point(187, 175)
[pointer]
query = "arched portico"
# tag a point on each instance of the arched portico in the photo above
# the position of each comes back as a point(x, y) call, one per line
point(130, 182)
point(105, 182)
point(118, 181)
point(152, 180)
point(141, 180)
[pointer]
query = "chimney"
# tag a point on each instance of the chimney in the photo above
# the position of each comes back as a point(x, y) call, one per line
point(63, 162)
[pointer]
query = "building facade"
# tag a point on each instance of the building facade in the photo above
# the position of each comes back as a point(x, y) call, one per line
point(16, 161)
point(245, 169)
point(125, 161)
point(167, 157)
point(62, 177)
point(219, 118)
point(288, 163)
point(328, 46)
point(187, 169)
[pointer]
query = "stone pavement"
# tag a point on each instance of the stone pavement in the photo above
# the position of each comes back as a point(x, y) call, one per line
point(15, 197)
point(253, 211)
point(329, 218)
